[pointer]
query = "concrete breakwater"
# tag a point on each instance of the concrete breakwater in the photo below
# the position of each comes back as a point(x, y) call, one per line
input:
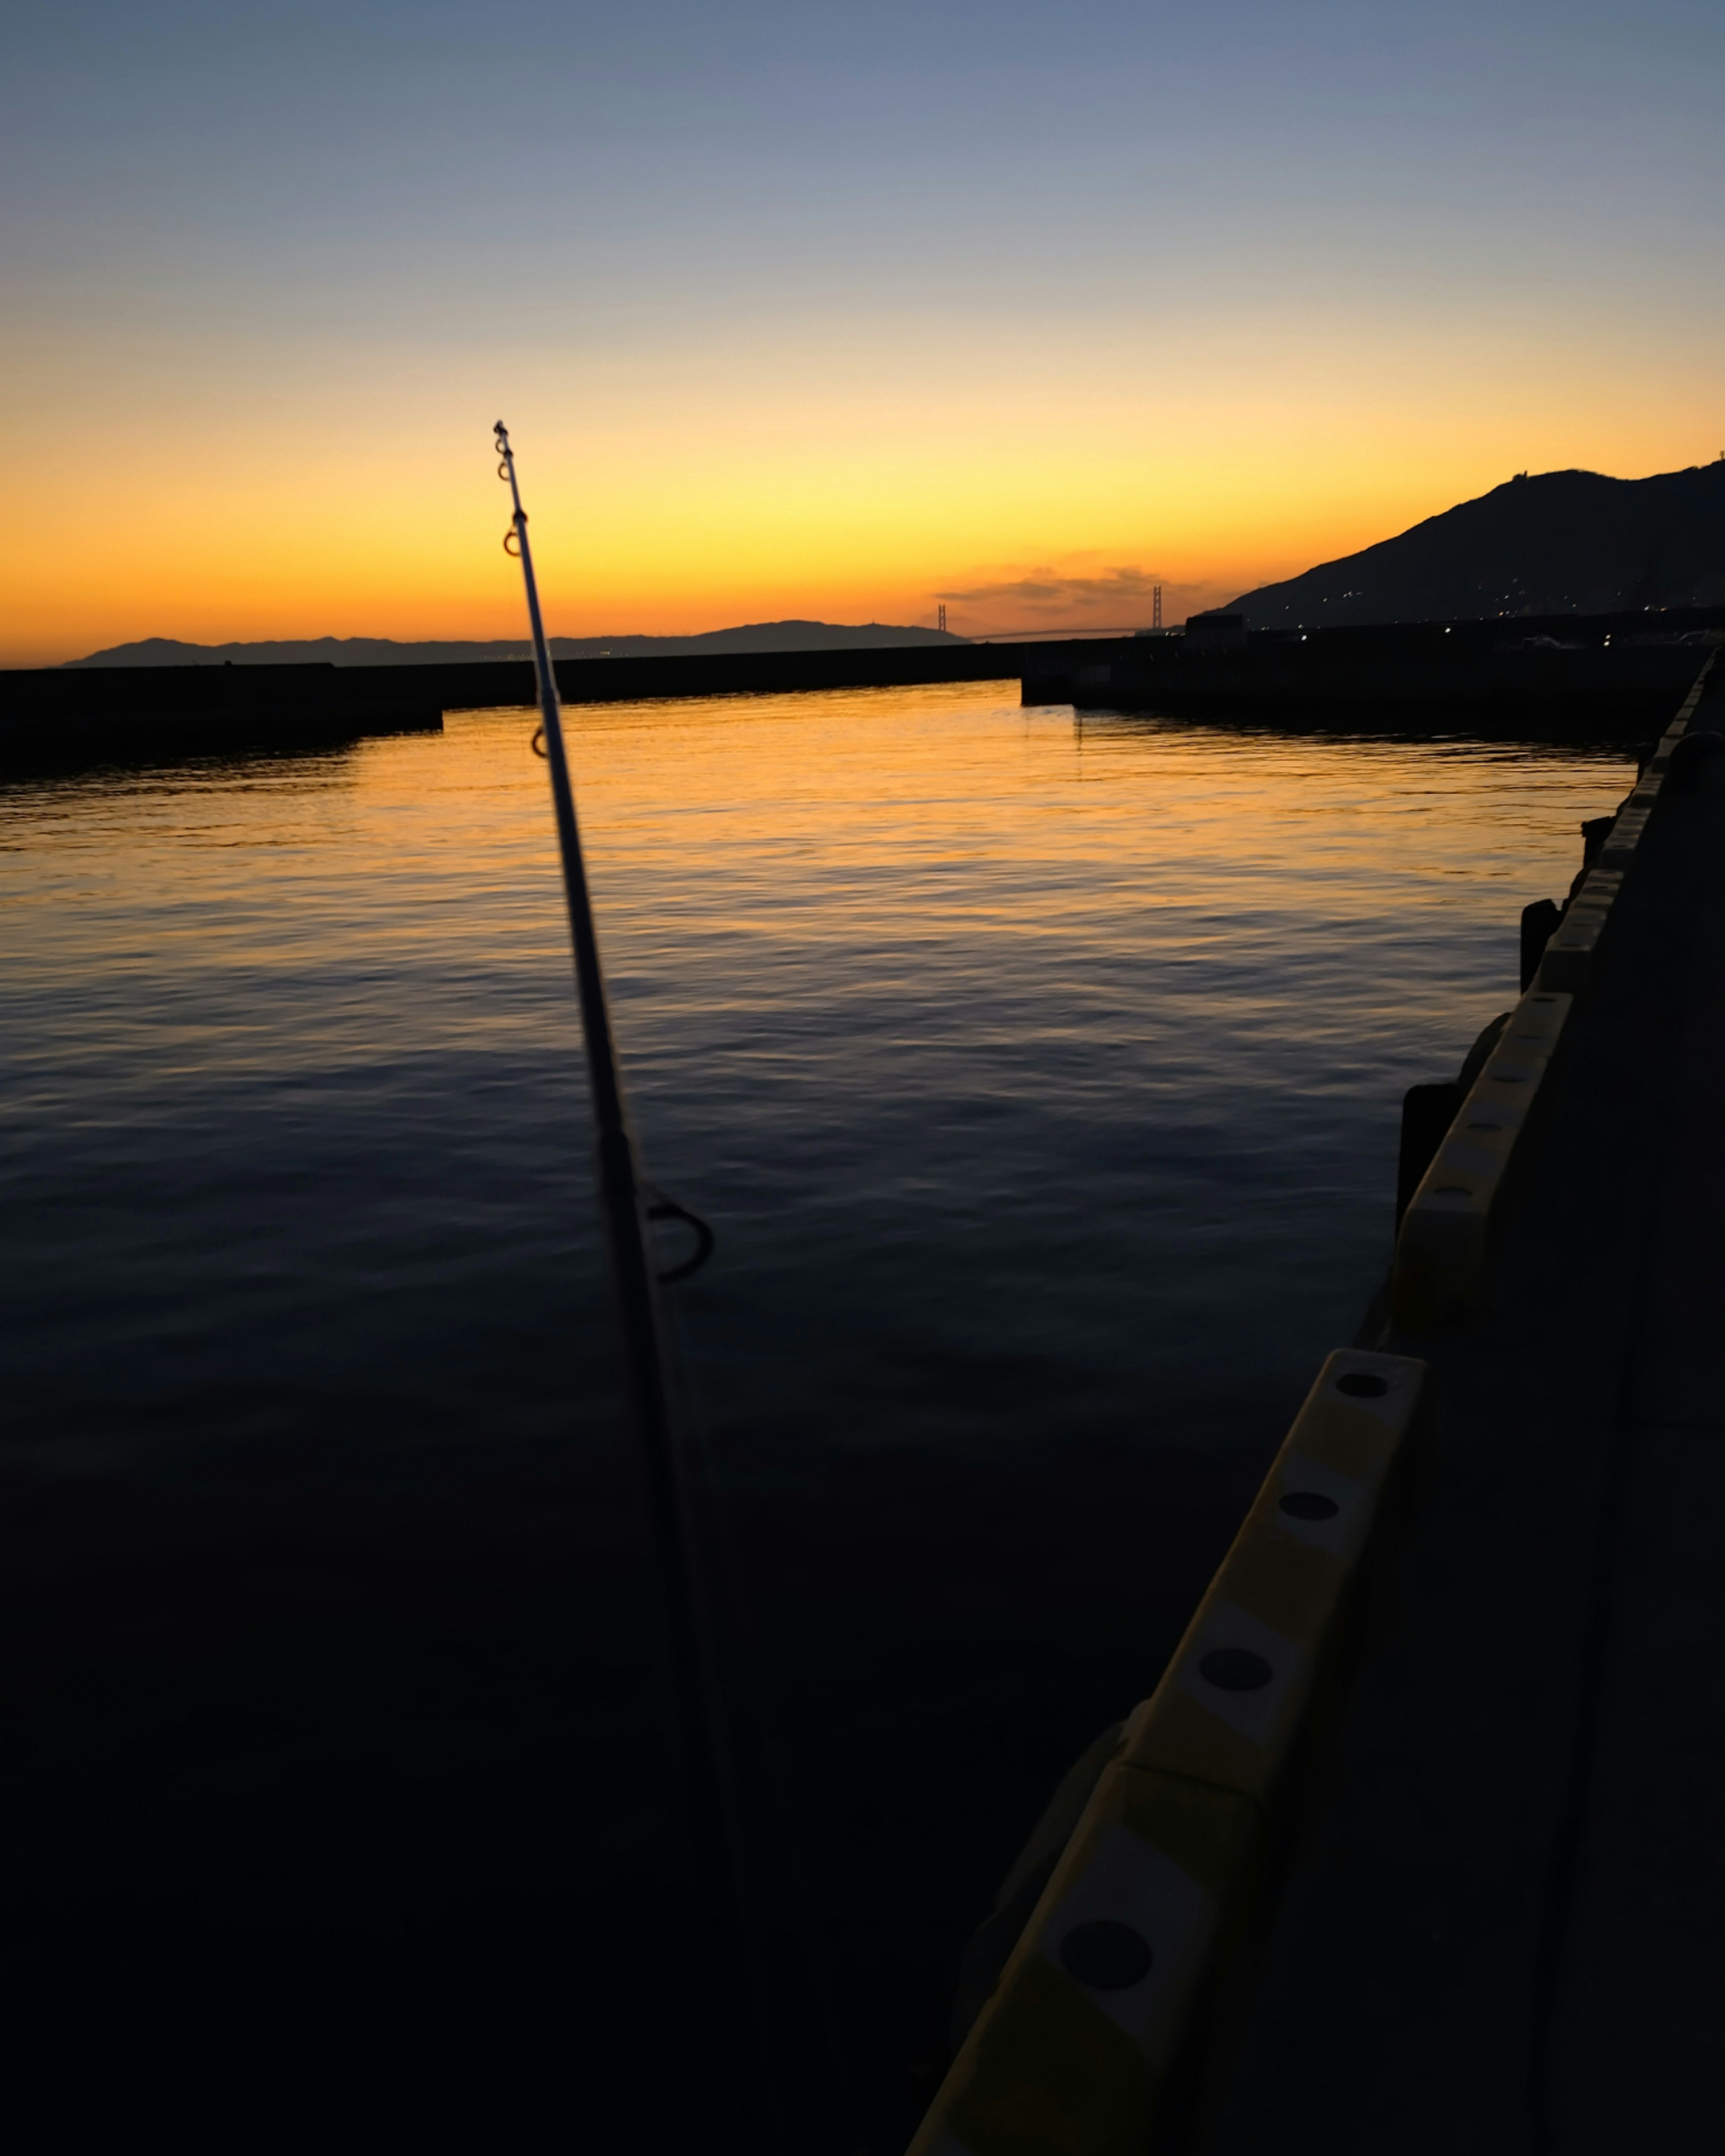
point(1571, 674)
point(146, 710)
point(1565, 673)
point(59, 715)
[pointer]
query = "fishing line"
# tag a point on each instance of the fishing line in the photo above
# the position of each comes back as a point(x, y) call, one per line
point(828, 2083)
point(714, 1814)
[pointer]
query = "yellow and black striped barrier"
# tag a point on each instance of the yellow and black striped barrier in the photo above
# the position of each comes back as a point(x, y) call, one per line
point(1446, 1232)
point(1104, 1991)
point(1567, 964)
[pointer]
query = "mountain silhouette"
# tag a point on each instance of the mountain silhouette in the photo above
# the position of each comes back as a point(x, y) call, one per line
point(1563, 542)
point(383, 651)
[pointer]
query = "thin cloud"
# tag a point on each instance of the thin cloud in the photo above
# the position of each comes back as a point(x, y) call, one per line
point(1048, 587)
point(1083, 598)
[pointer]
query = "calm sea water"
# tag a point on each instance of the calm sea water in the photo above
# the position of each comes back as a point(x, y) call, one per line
point(1041, 1081)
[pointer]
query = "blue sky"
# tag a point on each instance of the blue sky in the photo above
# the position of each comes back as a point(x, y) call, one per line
point(1409, 249)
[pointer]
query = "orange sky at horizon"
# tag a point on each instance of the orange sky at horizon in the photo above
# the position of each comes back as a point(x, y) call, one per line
point(1018, 309)
point(192, 527)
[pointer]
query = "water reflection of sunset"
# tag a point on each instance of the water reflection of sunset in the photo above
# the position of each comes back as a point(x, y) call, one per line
point(821, 912)
point(1040, 1081)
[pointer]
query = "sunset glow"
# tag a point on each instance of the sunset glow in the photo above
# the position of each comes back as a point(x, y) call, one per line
point(1019, 314)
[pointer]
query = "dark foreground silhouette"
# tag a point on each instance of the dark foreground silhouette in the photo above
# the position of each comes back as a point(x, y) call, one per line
point(1561, 542)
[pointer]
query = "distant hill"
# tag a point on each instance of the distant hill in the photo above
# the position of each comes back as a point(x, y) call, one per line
point(382, 651)
point(1563, 542)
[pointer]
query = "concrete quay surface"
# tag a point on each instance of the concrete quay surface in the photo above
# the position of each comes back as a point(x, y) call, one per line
point(1500, 1929)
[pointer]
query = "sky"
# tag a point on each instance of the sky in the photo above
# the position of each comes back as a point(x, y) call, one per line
point(818, 310)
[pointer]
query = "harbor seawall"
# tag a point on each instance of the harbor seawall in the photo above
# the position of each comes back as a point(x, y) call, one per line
point(1598, 674)
point(1576, 676)
point(119, 711)
point(1425, 1778)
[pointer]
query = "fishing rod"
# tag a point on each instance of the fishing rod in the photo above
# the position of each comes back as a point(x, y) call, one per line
point(629, 1203)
